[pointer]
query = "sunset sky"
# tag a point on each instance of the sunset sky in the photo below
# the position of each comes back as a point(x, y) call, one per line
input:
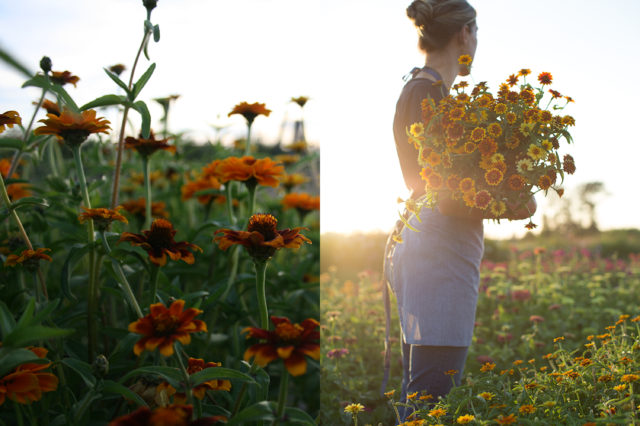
point(348, 56)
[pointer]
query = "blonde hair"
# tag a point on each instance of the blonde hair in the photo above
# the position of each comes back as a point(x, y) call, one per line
point(438, 20)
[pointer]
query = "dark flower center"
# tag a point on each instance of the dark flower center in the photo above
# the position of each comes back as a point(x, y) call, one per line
point(265, 224)
point(165, 324)
point(161, 235)
point(74, 137)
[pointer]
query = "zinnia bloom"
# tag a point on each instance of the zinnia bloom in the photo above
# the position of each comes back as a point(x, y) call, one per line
point(250, 111)
point(545, 78)
point(172, 415)
point(482, 199)
point(162, 326)
point(204, 182)
point(146, 147)
point(290, 342)
point(524, 72)
point(117, 69)
point(493, 177)
point(26, 383)
point(506, 420)
point(73, 128)
point(527, 409)
point(29, 258)
point(568, 164)
point(261, 239)
point(195, 365)
point(465, 60)
point(137, 207)
point(301, 201)
point(51, 107)
point(159, 242)
point(102, 217)
point(64, 77)
point(9, 118)
point(467, 418)
point(478, 134)
point(288, 159)
point(300, 100)
point(263, 171)
point(294, 179)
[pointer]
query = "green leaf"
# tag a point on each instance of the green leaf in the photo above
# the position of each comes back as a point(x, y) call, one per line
point(75, 254)
point(117, 80)
point(170, 374)
point(206, 225)
point(109, 386)
point(12, 357)
point(25, 335)
point(66, 98)
point(13, 143)
point(7, 322)
point(156, 33)
point(297, 416)
point(10, 60)
point(261, 411)
point(45, 311)
point(30, 201)
point(27, 315)
point(105, 100)
point(142, 81)
point(402, 218)
point(214, 373)
point(83, 369)
point(141, 107)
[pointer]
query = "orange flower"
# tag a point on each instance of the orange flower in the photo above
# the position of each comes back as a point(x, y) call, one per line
point(73, 128)
point(288, 159)
point(300, 100)
point(102, 217)
point(172, 415)
point(27, 382)
point(51, 107)
point(545, 78)
point(506, 420)
point(477, 134)
point(262, 171)
point(301, 201)
point(512, 80)
point(294, 179)
point(137, 207)
point(467, 184)
point(63, 77)
point(205, 182)
point(28, 258)
point(290, 342)
point(434, 181)
point(524, 72)
point(250, 111)
point(568, 164)
point(544, 182)
point(261, 239)
point(493, 177)
point(159, 242)
point(117, 69)
point(482, 199)
point(195, 365)
point(162, 326)
point(146, 147)
point(9, 118)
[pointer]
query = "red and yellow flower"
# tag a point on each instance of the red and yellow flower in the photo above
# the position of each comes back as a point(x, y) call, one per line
point(261, 239)
point(172, 415)
point(148, 146)
point(289, 342)
point(163, 326)
point(64, 77)
point(29, 258)
point(102, 217)
point(9, 119)
point(27, 382)
point(301, 201)
point(158, 242)
point(250, 111)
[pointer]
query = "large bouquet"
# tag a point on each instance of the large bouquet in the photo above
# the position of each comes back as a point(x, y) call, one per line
point(493, 152)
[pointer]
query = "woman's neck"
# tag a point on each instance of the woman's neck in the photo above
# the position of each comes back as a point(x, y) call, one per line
point(446, 64)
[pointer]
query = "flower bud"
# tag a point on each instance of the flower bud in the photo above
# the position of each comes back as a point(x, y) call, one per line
point(150, 4)
point(100, 366)
point(45, 64)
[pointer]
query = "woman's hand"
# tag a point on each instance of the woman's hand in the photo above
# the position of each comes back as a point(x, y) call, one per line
point(523, 212)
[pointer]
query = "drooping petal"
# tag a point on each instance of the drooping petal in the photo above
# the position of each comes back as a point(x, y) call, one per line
point(296, 364)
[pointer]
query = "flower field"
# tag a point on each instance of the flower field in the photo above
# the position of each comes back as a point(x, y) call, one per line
point(557, 341)
point(147, 279)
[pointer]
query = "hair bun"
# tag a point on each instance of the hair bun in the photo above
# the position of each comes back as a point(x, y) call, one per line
point(421, 12)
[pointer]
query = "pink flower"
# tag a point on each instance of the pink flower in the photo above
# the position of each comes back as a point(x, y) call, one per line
point(536, 318)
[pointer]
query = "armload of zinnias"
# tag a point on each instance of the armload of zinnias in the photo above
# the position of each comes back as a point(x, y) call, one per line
point(494, 152)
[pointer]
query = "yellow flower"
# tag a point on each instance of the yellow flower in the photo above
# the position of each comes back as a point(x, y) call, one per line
point(487, 366)
point(487, 396)
point(437, 412)
point(527, 128)
point(9, 118)
point(390, 393)
point(620, 388)
point(467, 418)
point(535, 152)
point(628, 378)
point(498, 208)
point(412, 395)
point(354, 408)
point(527, 409)
point(465, 60)
point(417, 129)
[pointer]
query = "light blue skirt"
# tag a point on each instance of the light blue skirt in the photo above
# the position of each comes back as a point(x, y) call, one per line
point(435, 274)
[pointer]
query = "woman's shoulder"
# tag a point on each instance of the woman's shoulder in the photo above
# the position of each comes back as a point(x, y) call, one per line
point(421, 88)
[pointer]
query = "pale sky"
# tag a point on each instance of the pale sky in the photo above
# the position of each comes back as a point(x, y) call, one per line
point(349, 57)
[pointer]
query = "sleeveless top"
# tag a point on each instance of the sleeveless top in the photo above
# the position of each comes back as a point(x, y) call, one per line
point(434, 272)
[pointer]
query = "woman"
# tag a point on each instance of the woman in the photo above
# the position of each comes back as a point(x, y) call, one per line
point(435, 272)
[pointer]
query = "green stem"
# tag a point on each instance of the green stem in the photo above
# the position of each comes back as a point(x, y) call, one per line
point(252, 187)
point(18, 414)
point(122, 277)
point(118, 166)
point(25, 137)
point(282, 395)
point(232, 218)
point(185, 375)
point(153, 281)
point(147, 191)
point(261, 275)
point(7, 201)
point(247, 147)
point(51, 157)
point(92, 290)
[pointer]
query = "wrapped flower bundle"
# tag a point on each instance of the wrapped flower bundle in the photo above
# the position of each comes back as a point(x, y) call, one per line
point(494, 152)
